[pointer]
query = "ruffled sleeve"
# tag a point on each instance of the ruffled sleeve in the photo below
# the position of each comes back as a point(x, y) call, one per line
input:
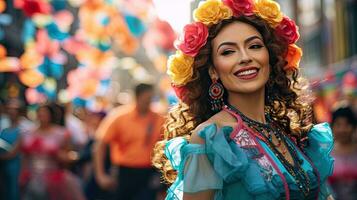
point(194, 171)
point(319, 150)
point(205, 166)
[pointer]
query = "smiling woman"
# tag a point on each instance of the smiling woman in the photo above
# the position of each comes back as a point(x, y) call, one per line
point(243, 128)
point(241, 60)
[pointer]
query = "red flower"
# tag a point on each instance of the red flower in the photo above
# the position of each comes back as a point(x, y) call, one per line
point(181, 92)
point(288, 30)
point(31, 7)
point(194, 37)
point(240, 7)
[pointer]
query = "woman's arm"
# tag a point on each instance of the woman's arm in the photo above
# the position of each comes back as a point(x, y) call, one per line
point(12, 153)
point(207, 195)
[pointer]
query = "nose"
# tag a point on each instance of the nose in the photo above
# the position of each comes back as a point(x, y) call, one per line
point(245, 58)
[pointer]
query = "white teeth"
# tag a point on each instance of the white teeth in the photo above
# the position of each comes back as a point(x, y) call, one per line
point(247, 72)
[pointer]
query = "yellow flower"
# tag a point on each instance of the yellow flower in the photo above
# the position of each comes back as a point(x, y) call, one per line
point(269, 11)
point(211, 12)
point(179, 68)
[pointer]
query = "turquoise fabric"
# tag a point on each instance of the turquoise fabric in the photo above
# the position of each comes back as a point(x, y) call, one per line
point(220, 164)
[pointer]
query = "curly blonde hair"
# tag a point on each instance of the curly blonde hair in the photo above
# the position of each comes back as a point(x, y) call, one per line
point(286, 98)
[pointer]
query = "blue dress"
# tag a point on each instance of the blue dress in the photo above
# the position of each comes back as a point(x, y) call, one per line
point(10, 169)
point(235, 172)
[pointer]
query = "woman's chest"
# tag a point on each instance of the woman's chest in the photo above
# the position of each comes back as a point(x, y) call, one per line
point(285, 168)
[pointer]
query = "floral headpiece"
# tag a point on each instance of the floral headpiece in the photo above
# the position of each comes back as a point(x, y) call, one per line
point(210, 12)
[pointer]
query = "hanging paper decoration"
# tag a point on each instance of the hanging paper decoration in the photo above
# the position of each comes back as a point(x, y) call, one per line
point(103, 28)
point(34, 97)
point(31, 78)
point(45, 56)
point(337, 85)
point(51, 69)
point(349, 83)
point(160, 35)
point(158, 43)
point(29, 31)
point(48, 88)
point(55, 33)
point(75, 44)
point(2, 6)
point(135, 25)
point(83, 82)
point(140, 8)
point(31, 59)
point(8, 64)
point(63, 19)
point(32, 7)
point(58, 5)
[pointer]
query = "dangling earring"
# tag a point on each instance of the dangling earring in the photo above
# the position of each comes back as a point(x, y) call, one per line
point(216, 91)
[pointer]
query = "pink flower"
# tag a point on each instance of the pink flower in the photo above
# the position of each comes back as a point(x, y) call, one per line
point(194, 37)
point(240, 7)
point(288, 30)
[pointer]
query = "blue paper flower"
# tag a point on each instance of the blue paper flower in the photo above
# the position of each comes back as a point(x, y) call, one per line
point(135, 25)
point(29, 31)
point(55, 33)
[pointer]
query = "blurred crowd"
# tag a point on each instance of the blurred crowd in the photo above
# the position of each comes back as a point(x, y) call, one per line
point(73, 153)
point(67, 153)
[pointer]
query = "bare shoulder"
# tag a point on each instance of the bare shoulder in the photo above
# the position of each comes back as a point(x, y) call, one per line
point(220, 119)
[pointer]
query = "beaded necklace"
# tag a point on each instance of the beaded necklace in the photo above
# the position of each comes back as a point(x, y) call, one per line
point(266, 131)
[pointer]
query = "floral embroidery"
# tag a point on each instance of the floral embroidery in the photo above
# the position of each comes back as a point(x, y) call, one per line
point(246, 142)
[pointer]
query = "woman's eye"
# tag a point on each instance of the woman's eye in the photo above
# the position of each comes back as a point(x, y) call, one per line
point(256, 46)
point(227, 52)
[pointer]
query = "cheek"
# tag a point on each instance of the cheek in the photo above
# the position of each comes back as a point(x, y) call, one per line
point(266, 72)
point(224, 65)
point(262, 57)
point(263, 61)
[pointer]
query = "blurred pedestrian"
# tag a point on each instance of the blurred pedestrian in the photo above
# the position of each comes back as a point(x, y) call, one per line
point(9, 152)
point(91, 188)
point(344, 178)
point(45, 152)
point(4, 119)
point(131, 132)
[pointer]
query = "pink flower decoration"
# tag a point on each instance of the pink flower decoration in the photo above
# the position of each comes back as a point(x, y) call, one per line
point(45, 45)
point(194, 37)
point(33, 96)
point(32, 7)
point(288, 30)
point(240, 7)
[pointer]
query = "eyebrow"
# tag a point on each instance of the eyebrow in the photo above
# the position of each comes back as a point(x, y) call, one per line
point(245, 41)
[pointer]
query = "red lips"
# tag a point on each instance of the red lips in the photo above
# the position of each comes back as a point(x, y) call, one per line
point(247, 73)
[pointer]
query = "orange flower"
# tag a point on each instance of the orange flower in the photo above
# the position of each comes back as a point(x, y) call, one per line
point(293, 58)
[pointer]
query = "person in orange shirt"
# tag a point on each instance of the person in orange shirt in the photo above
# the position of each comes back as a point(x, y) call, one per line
point(131, 132)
